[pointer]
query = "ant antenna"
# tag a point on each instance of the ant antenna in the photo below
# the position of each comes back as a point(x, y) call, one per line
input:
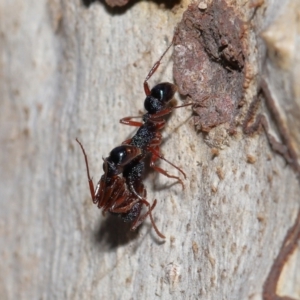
point(154, 68)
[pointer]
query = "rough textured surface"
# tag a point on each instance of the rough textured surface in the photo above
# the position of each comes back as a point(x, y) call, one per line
point(209, 62)
point(282, 68)
point(70, 71)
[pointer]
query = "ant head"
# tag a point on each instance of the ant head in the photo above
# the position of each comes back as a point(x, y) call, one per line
point(119, 157)
point(159, 97)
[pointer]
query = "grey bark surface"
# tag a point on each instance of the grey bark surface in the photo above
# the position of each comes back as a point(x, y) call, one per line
point(72, 71)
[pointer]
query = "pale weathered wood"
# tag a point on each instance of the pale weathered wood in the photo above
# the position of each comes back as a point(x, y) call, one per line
point(70, 71)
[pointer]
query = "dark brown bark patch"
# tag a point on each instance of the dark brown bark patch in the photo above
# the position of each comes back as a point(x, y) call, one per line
point(209, 62)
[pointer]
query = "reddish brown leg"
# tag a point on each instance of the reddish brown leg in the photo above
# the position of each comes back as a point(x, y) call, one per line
point(91, 184)
point(154, 158)
point(161, 113)
point(167, 111)
point(157, 154)
point(127, 142)
point(141, 219)
point(128, 121)
point(117, 196)
point(117, 206)
point(124, 209)
point(114, 194)
point(153, 69)
point(156, 142)
point(105, 199)
point(183, 105)
point(162, 171)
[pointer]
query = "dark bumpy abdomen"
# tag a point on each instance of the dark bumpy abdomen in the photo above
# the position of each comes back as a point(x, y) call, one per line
point(133, 213)
point(134, 172)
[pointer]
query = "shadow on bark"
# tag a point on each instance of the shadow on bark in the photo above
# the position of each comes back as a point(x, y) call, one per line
point(112, 232)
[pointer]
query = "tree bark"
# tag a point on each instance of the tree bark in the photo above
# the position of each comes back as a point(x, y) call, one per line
point(69, 69)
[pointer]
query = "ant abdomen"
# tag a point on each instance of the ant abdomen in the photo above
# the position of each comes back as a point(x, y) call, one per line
point(133, 213)
point(159, 96)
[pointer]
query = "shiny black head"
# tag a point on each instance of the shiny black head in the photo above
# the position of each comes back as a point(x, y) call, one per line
point(159, 97)
point(118, 158)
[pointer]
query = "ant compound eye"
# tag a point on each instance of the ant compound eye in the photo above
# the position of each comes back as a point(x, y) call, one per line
point(124, 154)
point(163, 92)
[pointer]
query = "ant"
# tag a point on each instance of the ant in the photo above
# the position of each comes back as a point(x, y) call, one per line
point(125, 196)
point(157, 105)
point(111, 193)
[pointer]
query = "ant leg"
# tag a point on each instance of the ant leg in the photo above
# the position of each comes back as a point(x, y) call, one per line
point(128, 121)
point(183, 105)
point(162, 171)
point(124, 209)
point(154, 68)
point(154, 158)
point(115, 195)
point(125, 197)
point(101, 193)
point(156, 142)
point(167, 111)
point(91, 184)
point(141, 219)
point(157, 154)
point(161, 113)
point(126, 142)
